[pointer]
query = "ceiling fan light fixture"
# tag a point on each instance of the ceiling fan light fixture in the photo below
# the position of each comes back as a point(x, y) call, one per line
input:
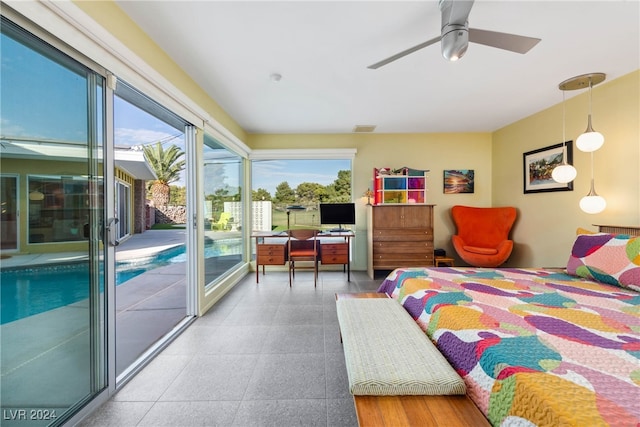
point(454, 44)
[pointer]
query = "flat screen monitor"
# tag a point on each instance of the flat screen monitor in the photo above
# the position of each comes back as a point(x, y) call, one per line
point(337, 214)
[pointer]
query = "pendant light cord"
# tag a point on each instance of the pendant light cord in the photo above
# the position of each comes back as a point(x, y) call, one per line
point(564, 139)
point(590, 97)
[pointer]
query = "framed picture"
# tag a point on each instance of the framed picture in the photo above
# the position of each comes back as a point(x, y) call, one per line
point(458, 181)
point(538, 165)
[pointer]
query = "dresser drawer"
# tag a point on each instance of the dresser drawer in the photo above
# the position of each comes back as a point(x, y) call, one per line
point(384, 247)
point(270, 254)
point(390, 264)
point(391, 261)
point(399, 235)
point(334, 253)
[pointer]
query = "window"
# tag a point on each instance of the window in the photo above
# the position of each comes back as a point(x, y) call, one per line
point(279, 184)
point(58, 208)
point(9, 212)
point(123, 207)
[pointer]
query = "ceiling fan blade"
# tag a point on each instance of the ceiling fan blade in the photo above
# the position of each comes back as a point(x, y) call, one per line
point(506, 41)
point(404, 53)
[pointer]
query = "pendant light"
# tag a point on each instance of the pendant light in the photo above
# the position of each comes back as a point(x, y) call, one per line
point(590, 140)
point(564, 173)
point(36, 196)
point(592, 203)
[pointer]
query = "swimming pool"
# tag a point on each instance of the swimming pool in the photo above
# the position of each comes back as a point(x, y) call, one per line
point(29, 291)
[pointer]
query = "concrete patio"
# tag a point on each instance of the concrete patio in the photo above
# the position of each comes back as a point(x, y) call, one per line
point(148, 306)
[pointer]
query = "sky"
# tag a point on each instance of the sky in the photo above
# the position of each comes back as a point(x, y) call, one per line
point(134, 127)
point(268, 174)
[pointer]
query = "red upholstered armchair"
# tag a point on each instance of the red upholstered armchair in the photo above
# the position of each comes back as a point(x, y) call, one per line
point(483, 234)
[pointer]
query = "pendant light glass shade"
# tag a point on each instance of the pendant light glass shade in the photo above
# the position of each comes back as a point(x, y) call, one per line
point(592, 203)
point(590, 140)
point(564, 173)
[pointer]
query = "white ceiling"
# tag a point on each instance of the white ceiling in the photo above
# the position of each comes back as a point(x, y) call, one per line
point(322, 50)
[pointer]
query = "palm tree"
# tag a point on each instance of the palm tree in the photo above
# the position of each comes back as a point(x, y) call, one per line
point(167, 165)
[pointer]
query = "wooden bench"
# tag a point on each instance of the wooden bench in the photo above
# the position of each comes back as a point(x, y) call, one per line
point(402, 410)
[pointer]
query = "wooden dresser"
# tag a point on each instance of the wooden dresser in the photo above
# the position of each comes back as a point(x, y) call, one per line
point(399, 236)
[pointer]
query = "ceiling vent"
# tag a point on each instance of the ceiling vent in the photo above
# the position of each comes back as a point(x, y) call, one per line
point(364, 128)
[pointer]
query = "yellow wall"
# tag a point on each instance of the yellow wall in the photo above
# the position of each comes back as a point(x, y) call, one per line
point(435, 152)
point(547, 222)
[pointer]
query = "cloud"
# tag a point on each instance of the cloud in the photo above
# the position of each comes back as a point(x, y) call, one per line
point(10, 129)
point(125, 137)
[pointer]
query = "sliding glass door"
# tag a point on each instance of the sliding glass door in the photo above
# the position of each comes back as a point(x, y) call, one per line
point(53, 316)
point(151, 256)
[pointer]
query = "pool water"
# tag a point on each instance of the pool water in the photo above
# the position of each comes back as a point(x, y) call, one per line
point(29, 291)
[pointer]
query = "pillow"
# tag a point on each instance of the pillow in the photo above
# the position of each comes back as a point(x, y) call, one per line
point(581, 230)
point(607, 258)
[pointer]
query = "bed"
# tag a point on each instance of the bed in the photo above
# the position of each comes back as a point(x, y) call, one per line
point(535, 346)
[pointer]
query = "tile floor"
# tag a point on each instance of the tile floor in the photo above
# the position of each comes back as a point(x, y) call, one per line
point(264, 355)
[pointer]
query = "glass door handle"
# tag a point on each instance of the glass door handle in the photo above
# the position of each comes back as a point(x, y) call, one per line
point(112, 230)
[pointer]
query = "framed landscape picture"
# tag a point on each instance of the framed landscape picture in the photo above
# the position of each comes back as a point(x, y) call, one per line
point(458, 181)
point(539, 164)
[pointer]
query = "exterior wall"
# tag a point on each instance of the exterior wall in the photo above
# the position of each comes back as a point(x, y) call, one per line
point(22, 168)
point(170, 215)
point(139, 206)
point(260, 214)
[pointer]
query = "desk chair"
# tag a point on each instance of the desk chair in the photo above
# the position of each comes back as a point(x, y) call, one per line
point(303, 245)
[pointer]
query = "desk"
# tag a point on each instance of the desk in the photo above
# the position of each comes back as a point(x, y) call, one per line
point(271, 249)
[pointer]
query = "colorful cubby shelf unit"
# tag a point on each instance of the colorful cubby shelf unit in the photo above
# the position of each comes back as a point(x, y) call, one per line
point(399, 186)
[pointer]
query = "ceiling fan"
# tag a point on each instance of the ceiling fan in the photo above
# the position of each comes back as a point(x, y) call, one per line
point(456, 35)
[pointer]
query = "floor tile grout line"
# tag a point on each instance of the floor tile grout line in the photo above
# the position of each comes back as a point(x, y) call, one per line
point(258, 357)
point(327, 288)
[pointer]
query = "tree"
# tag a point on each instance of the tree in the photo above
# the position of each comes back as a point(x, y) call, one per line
point(167, 165)
point(339, 191)
point(178, 195)
point(260, 194)
point(309, 193)
point(284, 193)
point(342, 186)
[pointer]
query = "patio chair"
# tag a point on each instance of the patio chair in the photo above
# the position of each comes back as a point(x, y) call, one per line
point(222, 221)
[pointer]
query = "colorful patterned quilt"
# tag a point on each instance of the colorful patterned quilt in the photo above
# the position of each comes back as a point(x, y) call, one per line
point(534, 347)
